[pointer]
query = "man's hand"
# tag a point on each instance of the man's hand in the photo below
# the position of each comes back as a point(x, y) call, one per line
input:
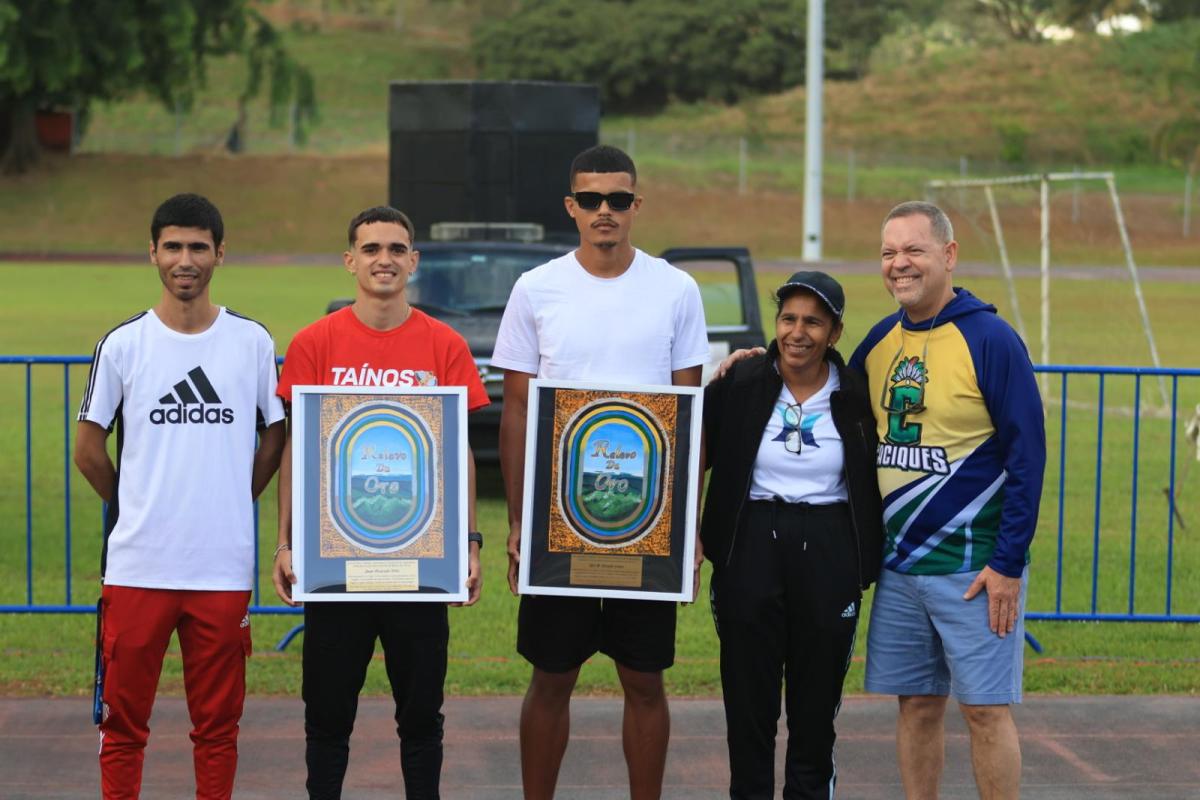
point(283, 576)
point(514, 555)
point(1004, 599)
point(474, 582)
point(733, 358)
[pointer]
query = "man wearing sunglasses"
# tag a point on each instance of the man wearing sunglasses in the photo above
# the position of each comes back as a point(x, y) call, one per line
point(961, 457)
point(604, 312)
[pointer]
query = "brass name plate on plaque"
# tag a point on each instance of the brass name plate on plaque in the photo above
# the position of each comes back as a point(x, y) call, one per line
point(382, 576)
point(606, 570)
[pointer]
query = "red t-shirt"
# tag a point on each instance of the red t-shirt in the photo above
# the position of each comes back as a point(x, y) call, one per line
point(339, 350)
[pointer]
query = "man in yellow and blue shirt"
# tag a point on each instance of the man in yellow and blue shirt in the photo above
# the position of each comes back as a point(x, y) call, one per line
point(961, 457)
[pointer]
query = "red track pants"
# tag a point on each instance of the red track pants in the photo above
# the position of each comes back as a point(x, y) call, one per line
point(214, 638)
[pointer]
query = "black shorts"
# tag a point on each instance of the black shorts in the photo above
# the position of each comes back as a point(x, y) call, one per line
point(558, 634)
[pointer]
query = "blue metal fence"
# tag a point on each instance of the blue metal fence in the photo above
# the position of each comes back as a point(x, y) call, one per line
point(1136, 413)
point(1097, 402)
point(69, 408)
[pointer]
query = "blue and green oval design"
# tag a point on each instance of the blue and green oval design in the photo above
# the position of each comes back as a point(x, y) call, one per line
point(613, 457)
point(383, 466)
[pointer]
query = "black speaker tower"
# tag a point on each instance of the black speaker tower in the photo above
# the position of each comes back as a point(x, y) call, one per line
point(487, 151)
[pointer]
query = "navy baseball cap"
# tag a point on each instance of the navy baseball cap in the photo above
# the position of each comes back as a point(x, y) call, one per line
point(820, 284)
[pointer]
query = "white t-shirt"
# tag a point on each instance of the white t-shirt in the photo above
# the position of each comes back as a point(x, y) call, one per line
point(189, 406)
point(815, 474)
point(563, 322)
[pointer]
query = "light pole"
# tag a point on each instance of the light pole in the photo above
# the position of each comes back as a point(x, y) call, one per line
point(813, 84)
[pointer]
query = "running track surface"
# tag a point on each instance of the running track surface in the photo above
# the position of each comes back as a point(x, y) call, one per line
point(1094, 748)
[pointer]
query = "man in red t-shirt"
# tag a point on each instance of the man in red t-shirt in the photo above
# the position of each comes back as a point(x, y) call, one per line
point(380, 340)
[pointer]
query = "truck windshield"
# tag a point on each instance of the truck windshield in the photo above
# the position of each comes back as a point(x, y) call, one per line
point(468, 280)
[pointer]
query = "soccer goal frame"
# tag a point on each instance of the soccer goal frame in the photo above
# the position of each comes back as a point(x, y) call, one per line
point(1045, 179)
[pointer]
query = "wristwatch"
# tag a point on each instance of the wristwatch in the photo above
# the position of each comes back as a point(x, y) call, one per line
point(476, 537)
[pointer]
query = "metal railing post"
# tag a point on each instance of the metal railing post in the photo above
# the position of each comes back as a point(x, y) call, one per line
point(67, 478)
point(1133, 497)
point(1062, 493)
point(1171, 490)
point(29, 484)
point(1099, 485)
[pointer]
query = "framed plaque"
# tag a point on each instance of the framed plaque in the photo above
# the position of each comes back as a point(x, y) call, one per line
point(379, 493)
point(611, 488)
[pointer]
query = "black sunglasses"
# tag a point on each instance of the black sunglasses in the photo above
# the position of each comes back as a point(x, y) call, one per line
point(617, 201)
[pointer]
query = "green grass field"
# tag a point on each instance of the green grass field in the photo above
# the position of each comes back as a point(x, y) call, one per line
point(64, 308)
point(109, 198)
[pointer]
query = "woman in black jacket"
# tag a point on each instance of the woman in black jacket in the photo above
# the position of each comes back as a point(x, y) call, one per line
point(793, 526)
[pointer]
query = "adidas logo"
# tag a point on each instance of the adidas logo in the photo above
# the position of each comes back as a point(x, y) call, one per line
point(186, 403)
point(851, 611)
point(245, 622)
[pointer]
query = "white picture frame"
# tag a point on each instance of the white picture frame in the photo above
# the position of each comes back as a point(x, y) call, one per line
point(379, 493)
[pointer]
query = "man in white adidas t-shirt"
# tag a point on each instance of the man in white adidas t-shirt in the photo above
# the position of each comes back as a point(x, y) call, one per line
point(604, 312)
point(186, 384)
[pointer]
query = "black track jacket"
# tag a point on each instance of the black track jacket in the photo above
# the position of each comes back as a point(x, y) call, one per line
point(736, 411)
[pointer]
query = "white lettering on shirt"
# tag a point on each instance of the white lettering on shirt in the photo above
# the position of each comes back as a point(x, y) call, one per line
point(366, 375)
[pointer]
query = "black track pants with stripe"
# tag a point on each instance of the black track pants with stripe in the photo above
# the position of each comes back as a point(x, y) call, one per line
point(786, 607)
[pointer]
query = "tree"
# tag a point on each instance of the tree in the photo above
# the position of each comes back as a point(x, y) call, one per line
point(1178, 139)
point(1023, 20)
point(1174, 10)
point(290, 85)
point(70, 53)
point(853, 29)
point(643, 53)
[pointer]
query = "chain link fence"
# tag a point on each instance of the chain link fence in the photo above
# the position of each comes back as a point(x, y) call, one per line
point(741, 164)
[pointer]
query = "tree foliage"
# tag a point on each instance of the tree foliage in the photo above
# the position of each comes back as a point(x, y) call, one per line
point(70, 53)
point(1177, 139)
point(1025, 20)
point(643, 53)
point(289, 85)
point(1173, 10)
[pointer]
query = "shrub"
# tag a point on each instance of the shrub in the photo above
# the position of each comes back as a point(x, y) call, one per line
point(1014, 139)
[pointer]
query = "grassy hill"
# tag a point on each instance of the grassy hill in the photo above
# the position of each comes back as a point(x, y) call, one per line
point(1084, 101)
point(1091, 100)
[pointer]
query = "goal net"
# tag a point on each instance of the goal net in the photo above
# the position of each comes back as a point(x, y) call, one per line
point(964, 195)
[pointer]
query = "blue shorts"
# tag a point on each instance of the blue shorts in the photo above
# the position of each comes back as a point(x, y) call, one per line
point(924, 639)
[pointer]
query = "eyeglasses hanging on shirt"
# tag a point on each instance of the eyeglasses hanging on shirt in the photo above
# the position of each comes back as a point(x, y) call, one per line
point(791, 419)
